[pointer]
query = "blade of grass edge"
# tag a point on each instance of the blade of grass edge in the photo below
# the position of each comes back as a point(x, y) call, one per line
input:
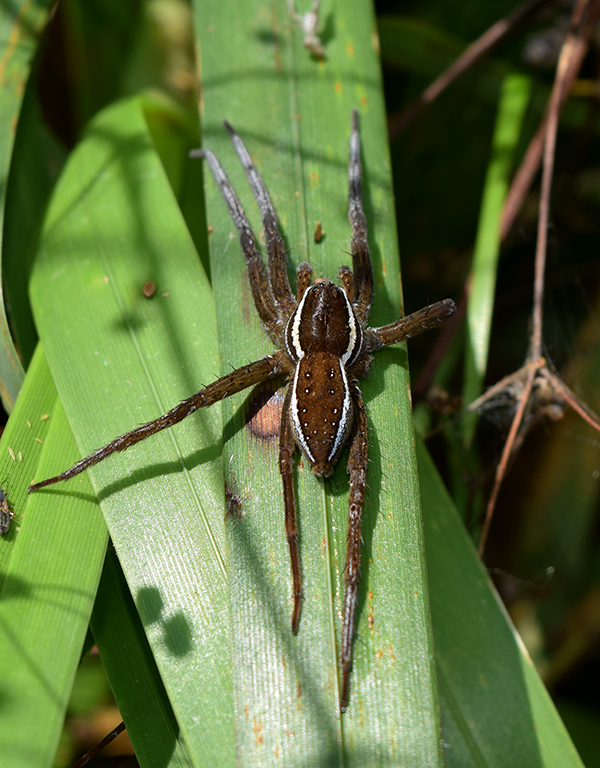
point(254, 67)
point(133, 674)
point(495, 708)
point(514, 99)
point(51, 562)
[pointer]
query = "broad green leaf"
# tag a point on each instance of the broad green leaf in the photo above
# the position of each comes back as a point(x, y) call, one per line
point(120, 359)
point(132, 672)
point(50, 566)
point(495, 709)
point(36, 161)
point(294, 114)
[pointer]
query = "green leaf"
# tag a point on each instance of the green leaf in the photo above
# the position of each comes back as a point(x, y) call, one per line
point(482, 279)
point(20, 24)
point(294, 114)
point(36, 161)
point(495, 708)
point(133, 674)
point(50, 565)
point(120, 359)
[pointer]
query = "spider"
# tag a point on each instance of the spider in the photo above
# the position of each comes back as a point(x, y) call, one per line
point(324, 347)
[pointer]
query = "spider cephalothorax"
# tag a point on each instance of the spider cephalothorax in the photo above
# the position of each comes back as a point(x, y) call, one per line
point(325, 346)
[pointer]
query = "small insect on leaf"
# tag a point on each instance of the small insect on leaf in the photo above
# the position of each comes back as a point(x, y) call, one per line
point(309, 23)
point(6, 513)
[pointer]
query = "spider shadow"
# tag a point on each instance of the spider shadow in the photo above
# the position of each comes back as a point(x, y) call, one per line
point(327, 31)
point(250, 557)
point(175, 629)
point(316, 708)
point(201, 456)
point(386, 307)
point(268, 36)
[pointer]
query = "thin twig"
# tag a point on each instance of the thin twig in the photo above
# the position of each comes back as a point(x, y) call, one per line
point(554, 109)
point(571, 398)
point(490, 39)
point(99, 746)
point(536, 365)
point(506, 453)
point(523, 178)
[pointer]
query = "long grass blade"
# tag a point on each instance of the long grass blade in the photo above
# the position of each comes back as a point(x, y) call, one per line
point(119, 359)
point(294, 113)
point(50, 564)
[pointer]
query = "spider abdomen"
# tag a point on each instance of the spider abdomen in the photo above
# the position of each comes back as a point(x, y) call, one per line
point(321, 409)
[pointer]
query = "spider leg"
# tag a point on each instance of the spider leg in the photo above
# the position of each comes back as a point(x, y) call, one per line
point(287, 447)
point(278, 276)
point(255, 266)
point(361, 259)
point(357, 469)
point(409, 326)
point(233, 382)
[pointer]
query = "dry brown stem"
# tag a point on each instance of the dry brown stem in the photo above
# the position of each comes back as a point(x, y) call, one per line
point(473, 53)
point(584, 15)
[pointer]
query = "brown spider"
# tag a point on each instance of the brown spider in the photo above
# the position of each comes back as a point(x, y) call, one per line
point(324, 347)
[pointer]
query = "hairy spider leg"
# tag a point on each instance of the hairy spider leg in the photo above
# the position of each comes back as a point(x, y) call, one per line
point(287, 448)
point(227, 385)
point(412, 325)
point(255, 266)
point(284, 303)
point(357, 469)
point(347, 281)
point(362, 294)
point(278, 276)
point(358, 287)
